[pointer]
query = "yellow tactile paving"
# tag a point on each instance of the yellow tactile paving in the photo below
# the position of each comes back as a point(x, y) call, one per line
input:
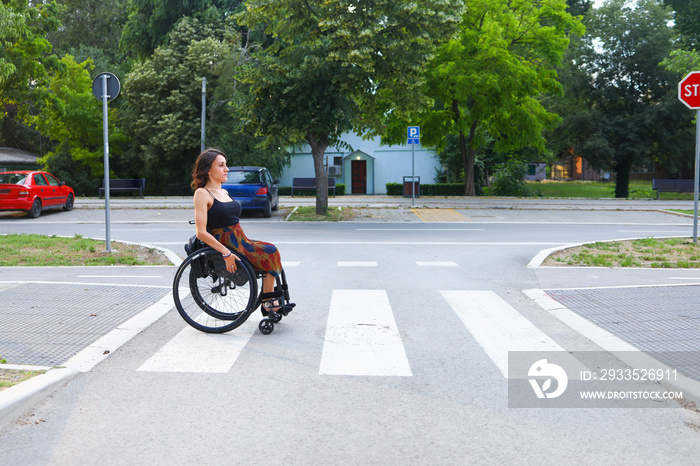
point(440, 215)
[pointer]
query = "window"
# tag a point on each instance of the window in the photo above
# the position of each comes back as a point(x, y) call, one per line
point(268, 178)
point(52, 181)
point(39, 179)
point(243, 177)
point(12, 178)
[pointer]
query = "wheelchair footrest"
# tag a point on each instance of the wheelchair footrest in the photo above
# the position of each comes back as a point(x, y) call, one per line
point(286, 309)
point(282, 311)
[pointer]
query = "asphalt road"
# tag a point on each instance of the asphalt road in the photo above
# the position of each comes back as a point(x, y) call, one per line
point(431, 389)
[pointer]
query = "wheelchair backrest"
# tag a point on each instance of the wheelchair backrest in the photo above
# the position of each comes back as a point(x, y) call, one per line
point(193, 245)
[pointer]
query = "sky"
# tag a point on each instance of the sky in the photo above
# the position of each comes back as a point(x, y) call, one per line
point(597, 3)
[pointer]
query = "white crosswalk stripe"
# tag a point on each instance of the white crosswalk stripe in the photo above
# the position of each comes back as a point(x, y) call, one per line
point(497, 326)
point(360, 327)
point(195, 351)
point(437, 264)
point(357, 264)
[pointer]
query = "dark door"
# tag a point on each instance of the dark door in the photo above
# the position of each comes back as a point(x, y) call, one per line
point(359, 177)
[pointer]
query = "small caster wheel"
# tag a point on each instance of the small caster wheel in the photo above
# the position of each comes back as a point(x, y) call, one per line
point(266, 326)
point(275, 317)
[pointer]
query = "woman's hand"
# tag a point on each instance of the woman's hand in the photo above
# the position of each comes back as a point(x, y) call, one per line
point(231, 265)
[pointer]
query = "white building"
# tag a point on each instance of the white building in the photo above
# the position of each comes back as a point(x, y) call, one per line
point(368, 167)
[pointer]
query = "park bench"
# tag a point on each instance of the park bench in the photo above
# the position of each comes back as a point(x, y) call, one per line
point(124, 185)
point(310, 183)
point(673, 186)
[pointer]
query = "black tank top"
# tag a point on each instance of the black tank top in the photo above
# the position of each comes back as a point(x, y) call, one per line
point(223, 214)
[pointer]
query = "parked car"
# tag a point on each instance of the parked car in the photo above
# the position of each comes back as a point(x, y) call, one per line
point(254, 188)
point(34, 191)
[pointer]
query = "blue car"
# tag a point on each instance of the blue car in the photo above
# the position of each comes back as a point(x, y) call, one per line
point(254, 188)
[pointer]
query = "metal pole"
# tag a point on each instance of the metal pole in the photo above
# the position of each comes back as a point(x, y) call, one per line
point(697, 175)
point(204, 112)
point(105, 136)
point(413, 175)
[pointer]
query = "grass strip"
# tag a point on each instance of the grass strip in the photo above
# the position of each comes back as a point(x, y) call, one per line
point(678, 253)
point(42, 250)
point(599, 190)
point(10, 377)
point(308, 214)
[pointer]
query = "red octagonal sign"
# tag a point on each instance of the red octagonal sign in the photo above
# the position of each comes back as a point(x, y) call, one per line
point(689, 90)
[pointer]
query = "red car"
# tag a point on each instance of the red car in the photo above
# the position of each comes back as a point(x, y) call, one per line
point(33, 192)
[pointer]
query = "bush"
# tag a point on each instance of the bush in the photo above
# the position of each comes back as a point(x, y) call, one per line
point(394, 189)
point(438, 189)
point(509, 180)
point(442, 189)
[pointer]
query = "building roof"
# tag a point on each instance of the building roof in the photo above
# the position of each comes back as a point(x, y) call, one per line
point(358, 152)
point(12, 155)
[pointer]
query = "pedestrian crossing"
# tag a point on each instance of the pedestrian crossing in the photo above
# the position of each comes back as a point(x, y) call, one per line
point(362, 337)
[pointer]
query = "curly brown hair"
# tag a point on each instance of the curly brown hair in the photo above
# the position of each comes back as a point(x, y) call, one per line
point(200, 172)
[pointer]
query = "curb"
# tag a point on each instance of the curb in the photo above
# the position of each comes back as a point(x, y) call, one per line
point(18, 399)
point(21, 398)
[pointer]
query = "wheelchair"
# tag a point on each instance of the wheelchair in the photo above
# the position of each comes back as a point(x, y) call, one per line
point(214, 300)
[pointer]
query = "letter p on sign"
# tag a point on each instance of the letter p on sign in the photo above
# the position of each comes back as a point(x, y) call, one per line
point(689, 90)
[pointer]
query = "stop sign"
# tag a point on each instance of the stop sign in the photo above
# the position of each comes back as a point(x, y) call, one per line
point(689, 90)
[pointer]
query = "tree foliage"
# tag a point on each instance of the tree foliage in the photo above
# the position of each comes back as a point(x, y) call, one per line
point(622, 105)
point(26, 62)
point(72, 116)
point(164, 103)
point(578, 7)
point(336, 65)
point(13, 26)
point(91, 24)
point(687, 19)
point(485, 81)
point(150, 21)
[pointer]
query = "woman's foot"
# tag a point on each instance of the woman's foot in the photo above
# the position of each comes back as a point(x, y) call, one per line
point(272, 305)
point(277, 306)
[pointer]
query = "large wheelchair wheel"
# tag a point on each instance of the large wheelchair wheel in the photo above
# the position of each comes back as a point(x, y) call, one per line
point(210, 298)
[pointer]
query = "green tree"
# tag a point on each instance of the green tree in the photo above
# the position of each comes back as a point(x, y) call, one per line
point(92, 29)
point(26, 61)
point(163, 105)
point(72, 116)
point(13, 26)
point(150, 21)
point(623, 109)
point(685, 58)
point(485, 82)
point(337, 65)
point(687, 19)
point(94, 24)
point(578, 7)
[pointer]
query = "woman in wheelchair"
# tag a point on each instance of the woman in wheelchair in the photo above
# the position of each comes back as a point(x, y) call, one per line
point(217, 223)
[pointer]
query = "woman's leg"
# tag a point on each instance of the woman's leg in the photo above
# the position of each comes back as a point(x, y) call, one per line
point(268, 283)
point(271, 304)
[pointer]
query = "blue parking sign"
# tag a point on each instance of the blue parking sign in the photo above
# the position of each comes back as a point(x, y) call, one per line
point(414, 134)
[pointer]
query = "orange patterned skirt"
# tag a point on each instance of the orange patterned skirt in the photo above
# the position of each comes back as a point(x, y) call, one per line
point(263, 256)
